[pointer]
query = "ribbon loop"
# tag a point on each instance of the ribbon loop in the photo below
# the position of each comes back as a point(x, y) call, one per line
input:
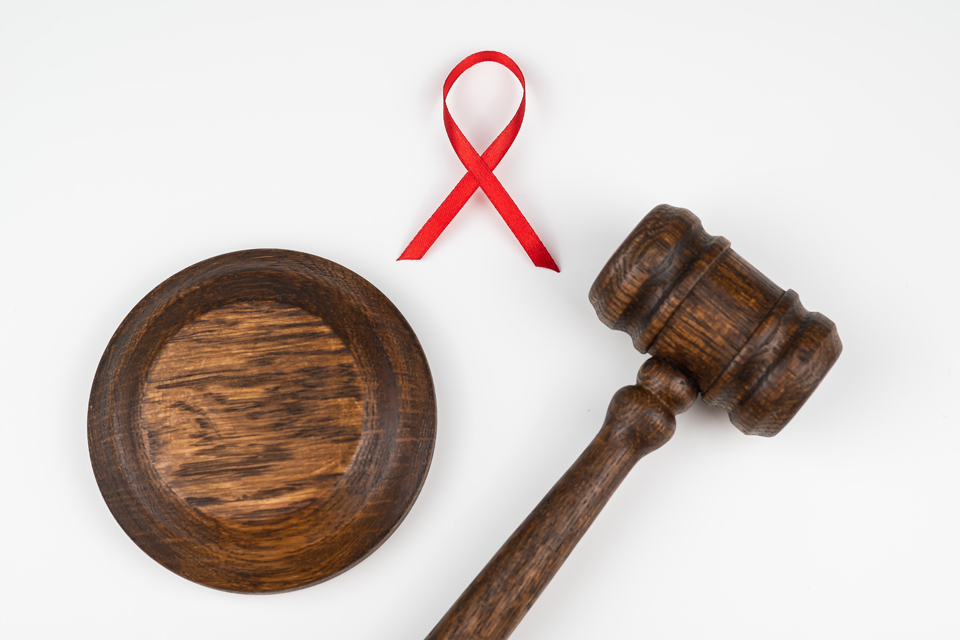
point(480, 174)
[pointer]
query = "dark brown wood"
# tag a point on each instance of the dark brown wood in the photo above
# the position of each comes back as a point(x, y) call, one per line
point(685, 296)
point(639, 420)
point(715, 325)
point(262, 421)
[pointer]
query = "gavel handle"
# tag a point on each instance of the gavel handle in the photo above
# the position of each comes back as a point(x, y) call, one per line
point(639, 420)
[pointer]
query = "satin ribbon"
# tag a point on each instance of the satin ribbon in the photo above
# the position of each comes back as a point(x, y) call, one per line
point(480, 174)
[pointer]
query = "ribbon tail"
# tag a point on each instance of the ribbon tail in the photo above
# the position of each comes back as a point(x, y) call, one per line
point(512, 215)
point(442, 217)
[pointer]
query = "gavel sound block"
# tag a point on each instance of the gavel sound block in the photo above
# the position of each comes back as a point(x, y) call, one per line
point(262, 421)
point(715, 326)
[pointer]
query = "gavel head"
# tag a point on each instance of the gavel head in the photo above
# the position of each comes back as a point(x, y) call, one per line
point(685, 296)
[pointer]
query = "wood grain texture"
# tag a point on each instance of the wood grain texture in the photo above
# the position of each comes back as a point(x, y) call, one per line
point(715, 325)
point(262, 421)
point(639, 420)
point(685, 296)
point(233, 419)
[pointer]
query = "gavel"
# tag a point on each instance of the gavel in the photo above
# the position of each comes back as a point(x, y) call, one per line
point(715, 326)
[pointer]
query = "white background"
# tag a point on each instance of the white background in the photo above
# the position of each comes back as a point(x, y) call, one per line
point(822, 138)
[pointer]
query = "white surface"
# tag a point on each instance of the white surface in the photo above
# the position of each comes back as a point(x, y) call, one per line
point(821, 138)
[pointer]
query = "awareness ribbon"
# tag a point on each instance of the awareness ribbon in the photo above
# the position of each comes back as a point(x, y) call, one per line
point(480, 174)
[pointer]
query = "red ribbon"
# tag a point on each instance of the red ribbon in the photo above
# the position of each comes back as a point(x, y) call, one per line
point(480, 174)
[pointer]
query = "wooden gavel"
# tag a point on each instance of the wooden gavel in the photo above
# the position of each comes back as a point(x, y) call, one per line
point(714, 325)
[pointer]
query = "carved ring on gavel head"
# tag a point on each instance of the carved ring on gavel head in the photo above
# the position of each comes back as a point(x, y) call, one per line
point(715, 326)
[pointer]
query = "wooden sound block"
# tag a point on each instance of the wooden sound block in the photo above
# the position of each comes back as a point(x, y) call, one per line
point(262, 421)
